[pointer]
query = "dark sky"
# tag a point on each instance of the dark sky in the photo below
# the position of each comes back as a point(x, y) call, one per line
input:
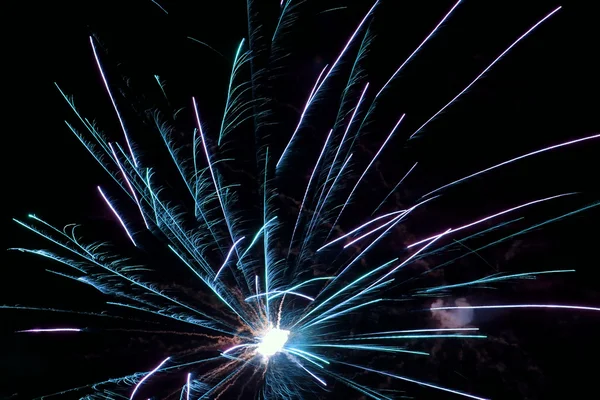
point(544, 92)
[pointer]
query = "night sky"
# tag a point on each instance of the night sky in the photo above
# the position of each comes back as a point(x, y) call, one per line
point(542, 93)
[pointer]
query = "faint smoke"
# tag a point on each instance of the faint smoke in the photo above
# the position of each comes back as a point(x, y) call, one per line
point(452, 318)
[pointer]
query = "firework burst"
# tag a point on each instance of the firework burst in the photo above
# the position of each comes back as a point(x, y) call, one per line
point(275, 296)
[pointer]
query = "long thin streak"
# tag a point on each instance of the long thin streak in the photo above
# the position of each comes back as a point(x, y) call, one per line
point(117, 215)
point(159, 6)
point(486, 70)
point(557, 306)
point(312, 175)
point(359, 228)
point(210, 167)
point(418, 48)
point(50, 330)
point(228, 256)
point(137, 201)
point(556, 146)
point(308, 102)
point(373, 231)
point(227, 102)
point(394, 189)
point(311, 374)
point(239, 346)
point(345, 48)
point(365, 172)
point(493, 216)
point(147, 376)
point(255, 239)
point(337, 152)
point(316, 91)
point(188, 387)
point(415, 381)
point(418, 331)
point(113, 102)
point(278, 292)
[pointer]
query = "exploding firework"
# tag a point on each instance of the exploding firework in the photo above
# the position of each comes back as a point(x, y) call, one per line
point(279, 280)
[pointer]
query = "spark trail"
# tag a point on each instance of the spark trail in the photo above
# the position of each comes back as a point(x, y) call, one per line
point(274, 304)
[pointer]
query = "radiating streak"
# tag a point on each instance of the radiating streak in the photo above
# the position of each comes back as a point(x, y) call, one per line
point(137, 201)
point(558, 306)
point(301, 118)
point(343, 289)
point(395, 187)
point(344, 49)
point(279, 292)
point(409, 259)
point(117, 215)
point(210, 168)
point(227, 102)
point(227, 257)
point(414, 381)
point(255, 239)
point(418, 47)
point(239, 346)
point(147, 376)
point(337, 152)
point(359, 228)
point(338, 175)
point(493, 278)
point(374, 230)
point(311, 374)
point(485, 70)
point(50, 330)
point(308, 354)
point(312, 175)
point(418, 330)
point(366, 347)
point(395, 337)
point(369, 288)
point(493, 216)
point(297, 353)
point(314, 92)
point(188, 387)
point(113, 102)
point(514, 159)
point(365, 172)
point(396, 221)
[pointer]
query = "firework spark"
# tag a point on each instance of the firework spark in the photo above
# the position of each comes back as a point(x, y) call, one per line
point(271, 321)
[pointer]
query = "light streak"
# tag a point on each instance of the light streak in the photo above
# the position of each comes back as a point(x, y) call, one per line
point(148, 375)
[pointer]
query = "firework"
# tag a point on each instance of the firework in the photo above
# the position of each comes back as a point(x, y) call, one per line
point(278, 291)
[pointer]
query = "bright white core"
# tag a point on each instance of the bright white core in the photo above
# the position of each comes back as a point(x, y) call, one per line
point(273, 342)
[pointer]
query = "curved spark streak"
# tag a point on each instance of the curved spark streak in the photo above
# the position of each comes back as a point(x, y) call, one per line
point(231, 250)
point(147, 376)
point(359, 228)
point(556, 146)
point(239, 346)
point(492, 216)
point(485, 70)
